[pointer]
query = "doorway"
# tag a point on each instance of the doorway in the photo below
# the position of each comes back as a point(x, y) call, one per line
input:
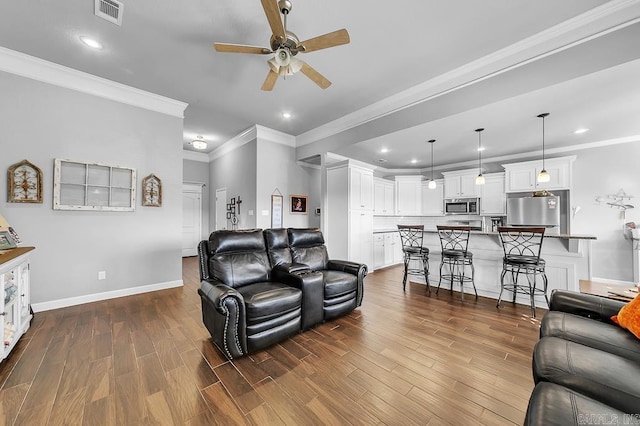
point(191, 218)
point(221, 209)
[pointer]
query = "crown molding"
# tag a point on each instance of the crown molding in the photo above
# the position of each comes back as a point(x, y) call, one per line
point(195, 156)
point(235, 142)
point(594, 23)
point(48, 72)
point(271, 135)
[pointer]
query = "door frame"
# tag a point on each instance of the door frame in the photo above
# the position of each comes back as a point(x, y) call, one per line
point(194, 188)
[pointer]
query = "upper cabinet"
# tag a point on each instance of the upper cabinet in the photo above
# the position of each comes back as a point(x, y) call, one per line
point(461, 184)
point(433, 199)
point(383, 195)
point(493, 200)
point(409, 195)
point(360, 188)
point(523, 176)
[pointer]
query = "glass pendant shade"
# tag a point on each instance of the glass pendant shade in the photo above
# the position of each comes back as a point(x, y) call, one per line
point(543, 176)
point(431, 184)
point(479, 178)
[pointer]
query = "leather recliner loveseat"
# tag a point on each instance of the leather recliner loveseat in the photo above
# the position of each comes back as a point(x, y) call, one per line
point(586, 368)
point(255, 289)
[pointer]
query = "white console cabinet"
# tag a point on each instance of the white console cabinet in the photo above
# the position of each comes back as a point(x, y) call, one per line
point(15, 308)
point(521, 177)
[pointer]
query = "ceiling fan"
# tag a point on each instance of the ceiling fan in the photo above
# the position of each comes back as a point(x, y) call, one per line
point(286, 46)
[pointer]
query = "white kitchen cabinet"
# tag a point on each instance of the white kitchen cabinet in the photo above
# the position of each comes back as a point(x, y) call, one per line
point(521, 177)
point(461, 184)
point(386, 249)
point(348, 230)
point(360, 188)
point(408, 195)
point(433, 199)
point(378, 251)
point(15, 306)
point(493, 199)
point(383, 197)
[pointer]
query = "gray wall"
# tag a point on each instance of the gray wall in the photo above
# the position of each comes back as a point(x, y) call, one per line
point(235, 171)
point(40, 122)
point(198, 172)
point(600, 172)
point(277, 168)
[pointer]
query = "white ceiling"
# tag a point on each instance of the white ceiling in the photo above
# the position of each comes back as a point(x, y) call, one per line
point(414, 70)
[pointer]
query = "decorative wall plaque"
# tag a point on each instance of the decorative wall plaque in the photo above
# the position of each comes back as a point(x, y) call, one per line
point(152, 191)
point(24, 183)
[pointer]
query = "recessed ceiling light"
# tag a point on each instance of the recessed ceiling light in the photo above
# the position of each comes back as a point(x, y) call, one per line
point(384, 150)
point(286, 115)
point(414, 161)
point(92, 43)
point(580, 131)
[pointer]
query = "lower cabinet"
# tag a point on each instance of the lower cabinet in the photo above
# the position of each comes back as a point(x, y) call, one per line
point(15, 306)
point(387, 250)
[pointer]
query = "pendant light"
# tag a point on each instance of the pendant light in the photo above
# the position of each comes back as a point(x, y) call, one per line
point(479, 178)
point(432, 183)
point(543, 176)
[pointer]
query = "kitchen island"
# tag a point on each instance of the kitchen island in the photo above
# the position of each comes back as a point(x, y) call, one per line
point(567, 256)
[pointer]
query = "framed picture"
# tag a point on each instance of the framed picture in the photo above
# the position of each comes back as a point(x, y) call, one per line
point(299, 204)
point(277, 204)
point(6, 241)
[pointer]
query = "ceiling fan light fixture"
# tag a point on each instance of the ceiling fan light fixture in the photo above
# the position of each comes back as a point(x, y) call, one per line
point(283, 57)
point(199, 143)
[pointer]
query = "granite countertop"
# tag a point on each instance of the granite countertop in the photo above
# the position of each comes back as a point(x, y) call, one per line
point(562, 236)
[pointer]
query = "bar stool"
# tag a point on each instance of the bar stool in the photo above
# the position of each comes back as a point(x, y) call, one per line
point(522, 248)
point(454, 241)
point(411, 239)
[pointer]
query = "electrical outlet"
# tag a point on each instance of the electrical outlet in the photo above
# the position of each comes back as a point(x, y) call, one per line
point(102, 275)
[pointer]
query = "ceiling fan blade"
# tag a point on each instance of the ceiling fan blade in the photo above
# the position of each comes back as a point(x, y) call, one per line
point(270, 81)
point(335, 38)
point(240, 48)
point(273, 16)
point(314, 75)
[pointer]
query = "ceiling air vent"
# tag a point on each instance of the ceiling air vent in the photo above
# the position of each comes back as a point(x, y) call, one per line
point(109, 10)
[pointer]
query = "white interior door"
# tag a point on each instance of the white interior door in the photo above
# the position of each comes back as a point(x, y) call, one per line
point(191, 218)
point(221, 208)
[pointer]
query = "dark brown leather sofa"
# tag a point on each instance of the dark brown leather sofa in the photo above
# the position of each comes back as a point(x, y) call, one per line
point(260, 287)
point(586, 368)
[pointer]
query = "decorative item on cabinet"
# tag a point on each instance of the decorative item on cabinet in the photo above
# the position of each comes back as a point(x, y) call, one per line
point(152, 191)
point(24, 183)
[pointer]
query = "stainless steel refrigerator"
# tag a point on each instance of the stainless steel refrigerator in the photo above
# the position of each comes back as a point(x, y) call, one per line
point(534, 211)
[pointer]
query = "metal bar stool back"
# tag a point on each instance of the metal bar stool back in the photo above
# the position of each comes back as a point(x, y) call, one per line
point(411, 237)
point(522, 247)
point(454, 241)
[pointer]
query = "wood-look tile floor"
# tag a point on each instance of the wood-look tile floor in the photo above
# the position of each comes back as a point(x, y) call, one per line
point(401, 358)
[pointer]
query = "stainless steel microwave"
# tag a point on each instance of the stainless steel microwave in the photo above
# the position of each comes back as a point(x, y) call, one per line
point(462, 206)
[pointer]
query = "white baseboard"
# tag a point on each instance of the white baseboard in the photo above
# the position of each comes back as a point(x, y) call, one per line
point(608, 281)
point(96, 297)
